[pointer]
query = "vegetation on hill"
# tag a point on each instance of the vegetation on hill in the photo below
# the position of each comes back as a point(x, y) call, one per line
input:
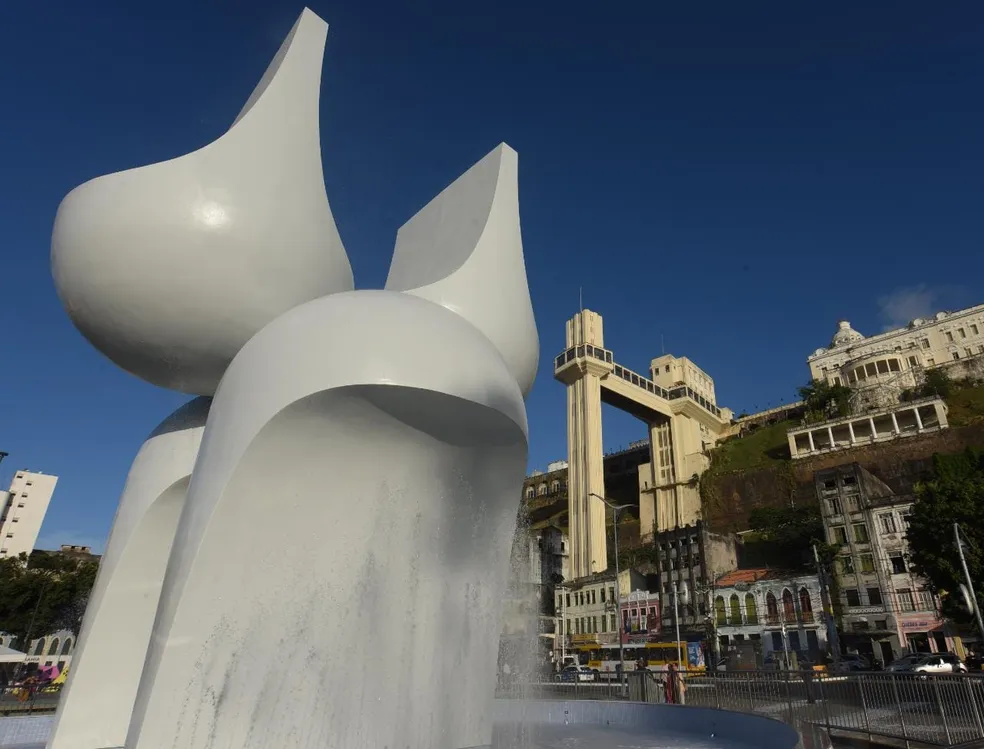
point(43, 595)
point(954, 494)
point(966, 406)
point(825, 401)
point(784, 537)
point(764, 446)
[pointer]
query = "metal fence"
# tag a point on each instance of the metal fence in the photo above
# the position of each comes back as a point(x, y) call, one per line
point(29, 699)
point(944, 710)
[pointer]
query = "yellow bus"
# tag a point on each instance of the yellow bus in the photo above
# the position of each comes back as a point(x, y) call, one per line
point(604, 659)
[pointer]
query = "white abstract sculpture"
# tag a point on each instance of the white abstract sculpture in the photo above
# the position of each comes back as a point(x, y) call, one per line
point(336, 574)
point(97, 704)
point(170, 268)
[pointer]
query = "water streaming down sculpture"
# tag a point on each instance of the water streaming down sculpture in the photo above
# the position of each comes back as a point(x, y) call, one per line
point(363, 453)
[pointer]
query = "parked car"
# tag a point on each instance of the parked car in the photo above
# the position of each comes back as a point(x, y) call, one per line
point(940, 663)
point(905, 663)
point(853, 662)
point(924, 664)
point(577, 673)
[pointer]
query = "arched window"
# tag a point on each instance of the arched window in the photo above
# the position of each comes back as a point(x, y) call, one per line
point(38, 647)
point(541, 490)
point(67, 647)
point(53, 650)
point(772, 608)
point(530, 493)
point(735, 610)
point(719, 610)
point(806, 605)
point(751, 610)
point(788, 605)
point(554, 487)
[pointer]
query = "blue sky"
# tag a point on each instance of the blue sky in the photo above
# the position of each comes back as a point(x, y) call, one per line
point(729, 178)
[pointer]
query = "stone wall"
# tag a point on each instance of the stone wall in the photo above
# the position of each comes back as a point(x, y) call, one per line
point(728, 498)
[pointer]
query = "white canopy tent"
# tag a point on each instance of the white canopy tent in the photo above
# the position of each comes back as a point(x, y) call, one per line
point(9, 655)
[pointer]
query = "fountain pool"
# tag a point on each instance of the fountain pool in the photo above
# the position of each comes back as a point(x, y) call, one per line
point(563, 724)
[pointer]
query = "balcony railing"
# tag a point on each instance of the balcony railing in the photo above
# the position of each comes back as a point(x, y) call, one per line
point(633, 378)
point(769, 620)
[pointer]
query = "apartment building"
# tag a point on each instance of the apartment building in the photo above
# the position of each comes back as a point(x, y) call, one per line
point(24, 506)
point(887, 609)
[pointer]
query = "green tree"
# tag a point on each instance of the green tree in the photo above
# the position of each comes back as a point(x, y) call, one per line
point(825, 401)
point(936, 382)
point(954, 494)
point(43, 594)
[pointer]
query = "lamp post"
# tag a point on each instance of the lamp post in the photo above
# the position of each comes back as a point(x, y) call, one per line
point(676, 617)
point(974, 608)
point(618, 592)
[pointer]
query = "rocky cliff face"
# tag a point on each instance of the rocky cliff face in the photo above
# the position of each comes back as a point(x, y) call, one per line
point(728, 498)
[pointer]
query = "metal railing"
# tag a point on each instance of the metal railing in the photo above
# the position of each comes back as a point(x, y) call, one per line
point(939, 710)
point(22, 700)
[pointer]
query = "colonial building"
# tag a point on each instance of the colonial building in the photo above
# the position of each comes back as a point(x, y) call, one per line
point(772, 610)
point(887, 609)
point(55, 649)
point(587, 608)
point(641, 616)
point(900, 355)
point(881, 424)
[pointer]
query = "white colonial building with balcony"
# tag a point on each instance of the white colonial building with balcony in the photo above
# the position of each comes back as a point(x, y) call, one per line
point(900, 355)
point(773, 610)
point(884, 372)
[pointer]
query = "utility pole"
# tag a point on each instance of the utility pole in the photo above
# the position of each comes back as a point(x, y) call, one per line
point(563, 628)
point(828, 610)
point(676, 620)
point(970, 583)
point(618, 587)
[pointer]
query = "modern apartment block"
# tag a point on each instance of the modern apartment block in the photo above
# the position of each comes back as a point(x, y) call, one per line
point(24, 507)
point(887, 609)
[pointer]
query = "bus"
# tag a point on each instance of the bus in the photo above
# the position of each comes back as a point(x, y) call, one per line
point(604, 659)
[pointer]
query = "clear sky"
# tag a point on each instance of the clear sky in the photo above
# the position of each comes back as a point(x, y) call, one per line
point(723, 179)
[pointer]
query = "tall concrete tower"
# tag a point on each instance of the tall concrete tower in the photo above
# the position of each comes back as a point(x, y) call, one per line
point(589, 546)
point(677, 404)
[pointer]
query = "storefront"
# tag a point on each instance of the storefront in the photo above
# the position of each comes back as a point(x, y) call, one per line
point(924, 633)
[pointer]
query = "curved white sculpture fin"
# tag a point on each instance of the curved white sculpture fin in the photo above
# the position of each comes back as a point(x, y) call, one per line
point(348, 471)
point(97, 704)
point(464, 251)
point(169, 269)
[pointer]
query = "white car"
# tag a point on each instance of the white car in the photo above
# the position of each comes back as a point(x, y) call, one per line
point(935, 663)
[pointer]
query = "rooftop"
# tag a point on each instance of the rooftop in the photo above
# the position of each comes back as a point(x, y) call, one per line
point(737, 577)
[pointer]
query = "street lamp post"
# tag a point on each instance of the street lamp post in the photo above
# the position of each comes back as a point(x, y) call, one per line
point(618, 592)
point(974, 608)
point(676, 618)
